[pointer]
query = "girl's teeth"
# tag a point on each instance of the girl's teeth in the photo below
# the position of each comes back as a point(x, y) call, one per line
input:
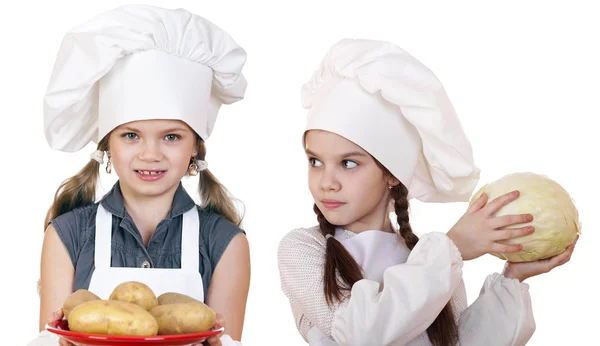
point(149, 173)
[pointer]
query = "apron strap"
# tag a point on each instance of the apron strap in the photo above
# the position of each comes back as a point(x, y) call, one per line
point(190, 241)
point(102, 248)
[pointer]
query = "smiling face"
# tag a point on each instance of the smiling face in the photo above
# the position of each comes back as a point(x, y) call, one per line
point(151, 156)
point(347, 184)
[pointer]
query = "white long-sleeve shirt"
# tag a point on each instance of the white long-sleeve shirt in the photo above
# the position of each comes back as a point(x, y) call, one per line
point(412, 296)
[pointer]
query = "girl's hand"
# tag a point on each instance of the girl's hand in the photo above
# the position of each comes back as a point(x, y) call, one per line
point(524, 270)
point(57, 316)
point(215, 340)
point(478, 232)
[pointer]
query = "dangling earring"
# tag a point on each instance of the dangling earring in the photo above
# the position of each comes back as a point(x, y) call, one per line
point(108, 165)
point(193, 170)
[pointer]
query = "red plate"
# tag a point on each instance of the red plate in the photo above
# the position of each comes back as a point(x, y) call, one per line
point(61, 328)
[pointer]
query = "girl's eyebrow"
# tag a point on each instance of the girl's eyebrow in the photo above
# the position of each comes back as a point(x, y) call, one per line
point(129, 129)
point(310, 152)
point(352, 153)
point(175, 129)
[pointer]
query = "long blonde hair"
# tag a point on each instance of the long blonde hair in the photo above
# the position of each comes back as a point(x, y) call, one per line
point(80, 190)
point(213, 194)
point(77, 191)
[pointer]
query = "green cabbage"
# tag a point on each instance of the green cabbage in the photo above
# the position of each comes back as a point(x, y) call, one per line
point(555, 217)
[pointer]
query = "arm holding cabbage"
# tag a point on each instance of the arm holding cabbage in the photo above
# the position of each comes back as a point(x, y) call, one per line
point(504, 301)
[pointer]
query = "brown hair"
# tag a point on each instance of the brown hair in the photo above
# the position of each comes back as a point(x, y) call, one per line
point(443, 331)
point(80, 190)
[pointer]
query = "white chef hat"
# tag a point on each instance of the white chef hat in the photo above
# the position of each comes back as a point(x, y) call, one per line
point(381, 98)
point(140, 62)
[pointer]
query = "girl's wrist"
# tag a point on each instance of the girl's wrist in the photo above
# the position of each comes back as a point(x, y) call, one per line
point(509, 273)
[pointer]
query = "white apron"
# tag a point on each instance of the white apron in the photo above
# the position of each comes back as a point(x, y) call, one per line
point(186, 280)
point(374, 251)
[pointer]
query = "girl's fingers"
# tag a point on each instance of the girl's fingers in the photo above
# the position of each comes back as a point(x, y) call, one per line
point(506, 248)
point(512, 233)
point(479, 203)
point(499, 202)
point(509, 220)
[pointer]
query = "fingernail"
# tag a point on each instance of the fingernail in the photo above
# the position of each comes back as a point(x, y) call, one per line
point(530, 217)
point(515, 193)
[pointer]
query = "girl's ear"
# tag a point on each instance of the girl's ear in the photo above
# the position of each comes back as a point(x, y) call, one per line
point(392, 181)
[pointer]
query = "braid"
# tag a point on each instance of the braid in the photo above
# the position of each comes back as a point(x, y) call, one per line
point(443, 331)
point(399, 194)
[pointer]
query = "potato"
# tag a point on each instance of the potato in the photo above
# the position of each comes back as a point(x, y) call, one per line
point(135, 292)
point(184, 318)
point(76, 298)
point(112, 317)
point(172, 298)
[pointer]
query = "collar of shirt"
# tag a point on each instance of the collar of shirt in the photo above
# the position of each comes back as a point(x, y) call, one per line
point(113, 202)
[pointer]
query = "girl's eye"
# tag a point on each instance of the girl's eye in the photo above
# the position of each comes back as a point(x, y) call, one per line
point(130, 135)
point(314, 162)
point(349, 164)
point(172, 137)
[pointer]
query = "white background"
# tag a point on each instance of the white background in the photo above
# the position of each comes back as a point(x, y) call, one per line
point(522, 76)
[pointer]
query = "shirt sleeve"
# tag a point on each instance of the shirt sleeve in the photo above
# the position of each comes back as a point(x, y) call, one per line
point(216, 232)
point(71, 229)
point(501, 315)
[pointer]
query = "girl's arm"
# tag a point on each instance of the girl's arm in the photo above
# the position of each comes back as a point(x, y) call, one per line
point(57, 276)
point(413, 293)
point(228, 289)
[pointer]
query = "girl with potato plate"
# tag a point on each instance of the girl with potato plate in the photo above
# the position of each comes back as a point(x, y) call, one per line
point(381, 131)
point(145, 84)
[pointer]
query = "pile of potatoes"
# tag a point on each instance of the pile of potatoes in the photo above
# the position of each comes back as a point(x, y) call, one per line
point(133, 309)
